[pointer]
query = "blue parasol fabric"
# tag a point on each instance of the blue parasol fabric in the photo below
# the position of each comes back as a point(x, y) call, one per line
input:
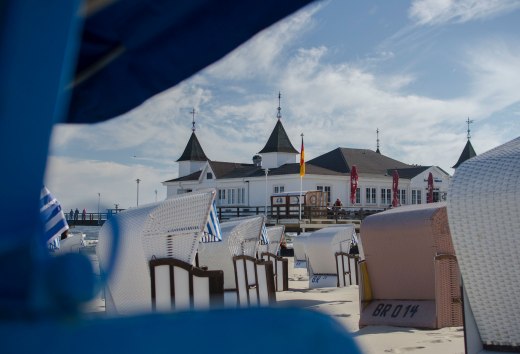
point(212, 230)
point(54, 221)
point(133, 49)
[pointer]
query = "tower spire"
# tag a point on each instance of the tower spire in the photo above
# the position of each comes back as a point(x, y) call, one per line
point(469, 130)
point(193, 119)
point(279, 114)
point(377, 141)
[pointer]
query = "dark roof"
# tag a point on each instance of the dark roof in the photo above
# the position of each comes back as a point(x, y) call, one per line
point(193, 150)
point(467, 154)
point(232, 169)
point(366, 161)
point(191, 177)
point(278, 141)
point(294, 168)
point(408, 173)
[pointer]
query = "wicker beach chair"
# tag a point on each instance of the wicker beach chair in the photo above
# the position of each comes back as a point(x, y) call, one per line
point(269, 252)
point(321, 248)
point(484, 218)
point(300, 258)
point(239, 237)
point(168, 229)
point(409, 276)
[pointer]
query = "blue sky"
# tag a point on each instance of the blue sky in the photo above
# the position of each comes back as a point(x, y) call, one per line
point(416, 70)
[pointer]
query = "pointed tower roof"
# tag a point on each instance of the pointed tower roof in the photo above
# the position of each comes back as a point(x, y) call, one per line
point(467, 154)
point(468, 151)
point(278, 140)
point(193, 150)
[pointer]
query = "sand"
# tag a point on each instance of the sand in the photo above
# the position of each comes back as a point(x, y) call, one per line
point(343, 305)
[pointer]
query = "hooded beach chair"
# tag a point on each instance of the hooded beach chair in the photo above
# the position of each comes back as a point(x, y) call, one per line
point(300, 258)
point(159, 239)
point(240, 240)
point(484, 218)
point(269, 252)
point(410, 276)
point(321, 249)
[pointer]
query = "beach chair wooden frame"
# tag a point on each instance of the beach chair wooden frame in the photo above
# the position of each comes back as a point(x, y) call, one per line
point(189, 287)
point(280, 270)
point(239, 237)
point(255, 281)
point(346, 265)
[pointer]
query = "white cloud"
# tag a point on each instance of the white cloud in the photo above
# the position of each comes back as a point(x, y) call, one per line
point(76, 183)
point(334, 105)
point(260, 56)
point(435, 12)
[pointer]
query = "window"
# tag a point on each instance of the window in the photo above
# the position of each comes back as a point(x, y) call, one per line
point(386, 196)
point(370, 194)
point(326, 192)
point(209, 175)
point(358, 196)
point(278, 189)
point(416, 196)
point(222, 194)
point(231, 196)
point(402, 196)
point(241, 195)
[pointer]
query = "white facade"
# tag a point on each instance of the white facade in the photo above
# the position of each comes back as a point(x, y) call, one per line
point(374, 191)
point(188, 167)
point(276, 159)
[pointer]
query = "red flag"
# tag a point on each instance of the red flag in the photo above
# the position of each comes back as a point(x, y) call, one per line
point(395, 188)
point(353, 184)
point(429, 196)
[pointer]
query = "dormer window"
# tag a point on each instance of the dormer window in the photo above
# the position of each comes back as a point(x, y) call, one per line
point(209, 175)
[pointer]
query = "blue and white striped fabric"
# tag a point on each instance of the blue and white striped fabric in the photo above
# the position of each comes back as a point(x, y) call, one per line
point(212, 231)
point(54, 222)
point(264, 239)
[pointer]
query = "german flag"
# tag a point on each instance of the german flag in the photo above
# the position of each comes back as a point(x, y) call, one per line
point(302, 160)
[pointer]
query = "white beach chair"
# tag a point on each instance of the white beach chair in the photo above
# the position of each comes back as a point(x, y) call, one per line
point(72, 244)
point(255, 281)
point(240, 237)
point(168, 229)
point(410, 276)
point(269, 252)
point(300, 259)
point(484, 218)
point(321, 248)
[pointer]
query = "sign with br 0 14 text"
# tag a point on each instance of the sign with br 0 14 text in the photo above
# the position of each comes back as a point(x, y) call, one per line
point(401, 313)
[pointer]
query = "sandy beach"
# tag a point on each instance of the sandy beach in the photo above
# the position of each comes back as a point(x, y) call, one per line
point(343, 305)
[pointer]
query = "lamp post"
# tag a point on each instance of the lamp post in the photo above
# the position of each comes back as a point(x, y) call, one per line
point(98, 202)
point(156, 195)
point(138, 180)
point(265, 207)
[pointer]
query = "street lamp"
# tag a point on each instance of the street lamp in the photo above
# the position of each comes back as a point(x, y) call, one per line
point(156, 195)
point(138, 180)
point(265, 208)
point(98, 201)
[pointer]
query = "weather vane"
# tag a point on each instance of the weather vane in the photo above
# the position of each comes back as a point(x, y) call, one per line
point(469, 130)
point(193, 120)
point(279, 114)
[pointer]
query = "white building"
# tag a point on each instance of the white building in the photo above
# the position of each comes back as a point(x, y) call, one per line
point(247, 184)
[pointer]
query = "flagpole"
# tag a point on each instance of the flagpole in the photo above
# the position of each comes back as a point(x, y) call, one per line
point(302, 173)
point(301, 192)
